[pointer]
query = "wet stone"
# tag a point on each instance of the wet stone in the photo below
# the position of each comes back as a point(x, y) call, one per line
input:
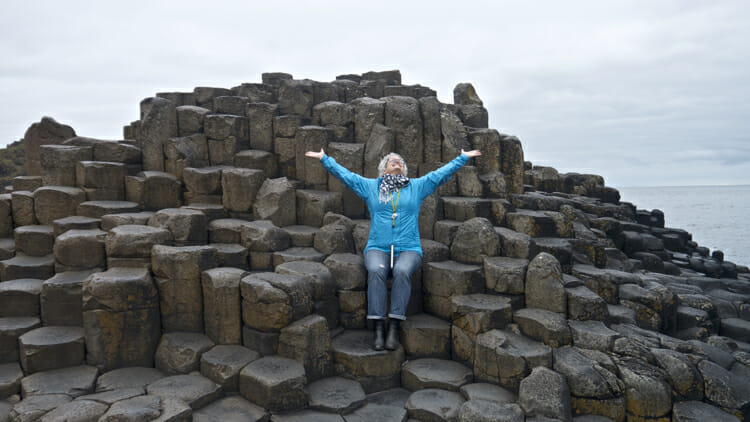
point(195, 390)
point(74, 381)
point(274, 382)
point(435, 373)
point(223, 363)
point(335, 394)
point(355, 358)
point(233, 408)
point(434, 405)
point(130, 377)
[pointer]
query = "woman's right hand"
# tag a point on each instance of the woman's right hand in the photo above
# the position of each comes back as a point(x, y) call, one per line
point(313, 154)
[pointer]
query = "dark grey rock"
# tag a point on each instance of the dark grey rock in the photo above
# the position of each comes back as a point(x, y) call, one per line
point(488, 411)
point(434, 405)
point(74, 381)
point(435, 373)
point(195, 390)
point(546, 326)
point(274, 382)
point(335, 394)
point(234, 408)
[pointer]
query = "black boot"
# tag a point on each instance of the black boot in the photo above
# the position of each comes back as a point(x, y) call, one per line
point(379, 334)
point(391, 343)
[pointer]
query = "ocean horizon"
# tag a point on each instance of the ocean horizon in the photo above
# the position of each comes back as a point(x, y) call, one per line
point(716, 215)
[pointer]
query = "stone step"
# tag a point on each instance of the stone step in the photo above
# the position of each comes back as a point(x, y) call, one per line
point(434, 404)
point(34, 407)
point(148, 407)
point(355, 358)
point(62, 297)
point(335, 395)
point(77, 250)
point(128, 377)
point(10, 379)
point(546, 326)
point(75, 222)
point(424, 336)
point(180, 353)
point(11, 328)
point(505, 358)
point(194, 389)
point(222, 364)
point(7, 248)
point(36, 240)
point(435, 373)
point(97, 209)
point(113, 220)
point(736, 328)
point(76, 410)
point(188, 227)
point(297, 254)
point(73, 381)
point(19, 298)
point(47, 348)
point(233, 408)
point(25, 266)
point(275, 383)
point(232, 255)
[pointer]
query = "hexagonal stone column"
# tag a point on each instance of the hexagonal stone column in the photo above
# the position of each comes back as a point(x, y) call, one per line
point(309, 342)
point(10, 329)
point(77, 250)
point(435, 373)
point(424, 335)
point(272, 301)
point(130, 244)
point(177, 271)
point(154, 190)
point(221, 304)
point(505, 358)
point(47, 348)
point(275, 383)
point(445, 279)
point(355, 358)
point(180, 353)
point(24, 266)
point(20, 297)
point(34, 240)
point(223, 363)
point(54, 202)
point(473, 315)
point(188, 227)
point(121, 318)
point(194, 389)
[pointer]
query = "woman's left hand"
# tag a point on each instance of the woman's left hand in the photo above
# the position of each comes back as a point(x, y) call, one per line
point(471, 154)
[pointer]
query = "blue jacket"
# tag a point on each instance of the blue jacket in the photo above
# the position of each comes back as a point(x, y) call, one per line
point(405, 235)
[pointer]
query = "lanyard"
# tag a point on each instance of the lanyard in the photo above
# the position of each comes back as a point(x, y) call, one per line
point(394, 206)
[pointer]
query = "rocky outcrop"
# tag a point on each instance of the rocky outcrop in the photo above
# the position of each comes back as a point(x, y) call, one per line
point(204, 256)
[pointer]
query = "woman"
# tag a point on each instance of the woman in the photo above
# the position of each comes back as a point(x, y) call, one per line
point(394, 202)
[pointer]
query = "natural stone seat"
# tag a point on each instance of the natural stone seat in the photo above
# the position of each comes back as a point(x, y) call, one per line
point(532, 223)
point(506, 358)
point(461, 208)
point(736, 328)
point(10, 329)
point(592, 335)
point(24, 266)
point(73, 381)
point(474, 314)
point(75, 222)
point(301, 236)
point(77, 250)
point(194, 389)
point(543, 325)
point(113, 220)
point(222, 364)
point(233, 408)
point(271, 301)
point(10, 379)
point(34, 240)
point(231, 255)
point(505, 275)
point(433, 404)
point(34, 407)
point(211, 211)
point(687, 411)
point(47, 348)
point(442, 280)
point(61, 298)
point(226, 230)
point(583, 304)
point(130, 244)
point(355, 358)
point(7, 248)
point(188, 227)
point(335, 394)
point(275, 383)
point(180, 353)
point(127, 378)
point(222, 319)
point(55, 202)
point(488, 392)
point(97, 209)
point(76, 410)
point(424, 336)
point(435, 373)
point(153, 190)
point(297, 254)
point(20, 297)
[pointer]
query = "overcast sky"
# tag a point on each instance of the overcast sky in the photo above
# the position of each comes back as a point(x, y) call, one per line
point(645, 93)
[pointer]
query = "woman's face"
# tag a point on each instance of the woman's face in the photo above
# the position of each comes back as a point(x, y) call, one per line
point(394, 166)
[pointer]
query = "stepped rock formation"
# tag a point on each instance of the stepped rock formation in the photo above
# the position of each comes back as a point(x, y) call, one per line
point(204, 269)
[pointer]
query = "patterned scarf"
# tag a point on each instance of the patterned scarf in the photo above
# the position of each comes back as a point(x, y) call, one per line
point(390, 184)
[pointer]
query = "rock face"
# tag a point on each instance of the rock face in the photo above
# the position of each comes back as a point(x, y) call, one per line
point(541, 296)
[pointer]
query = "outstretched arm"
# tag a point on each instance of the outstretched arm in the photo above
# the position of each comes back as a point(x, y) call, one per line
point(353, 181)
point(319, 155)
point(471, 154)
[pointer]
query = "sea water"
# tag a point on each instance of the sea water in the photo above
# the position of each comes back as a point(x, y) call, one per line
point(718, 217)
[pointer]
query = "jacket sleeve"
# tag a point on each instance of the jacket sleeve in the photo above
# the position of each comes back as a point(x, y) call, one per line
point(353, 181)
point(432, 180)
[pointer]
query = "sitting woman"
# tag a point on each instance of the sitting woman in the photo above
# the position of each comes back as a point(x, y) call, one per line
point(394, 202)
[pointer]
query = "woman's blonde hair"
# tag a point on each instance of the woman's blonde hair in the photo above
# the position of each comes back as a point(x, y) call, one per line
point(384, 163)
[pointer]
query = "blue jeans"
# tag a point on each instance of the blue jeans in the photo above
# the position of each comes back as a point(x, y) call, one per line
point(378, 266)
